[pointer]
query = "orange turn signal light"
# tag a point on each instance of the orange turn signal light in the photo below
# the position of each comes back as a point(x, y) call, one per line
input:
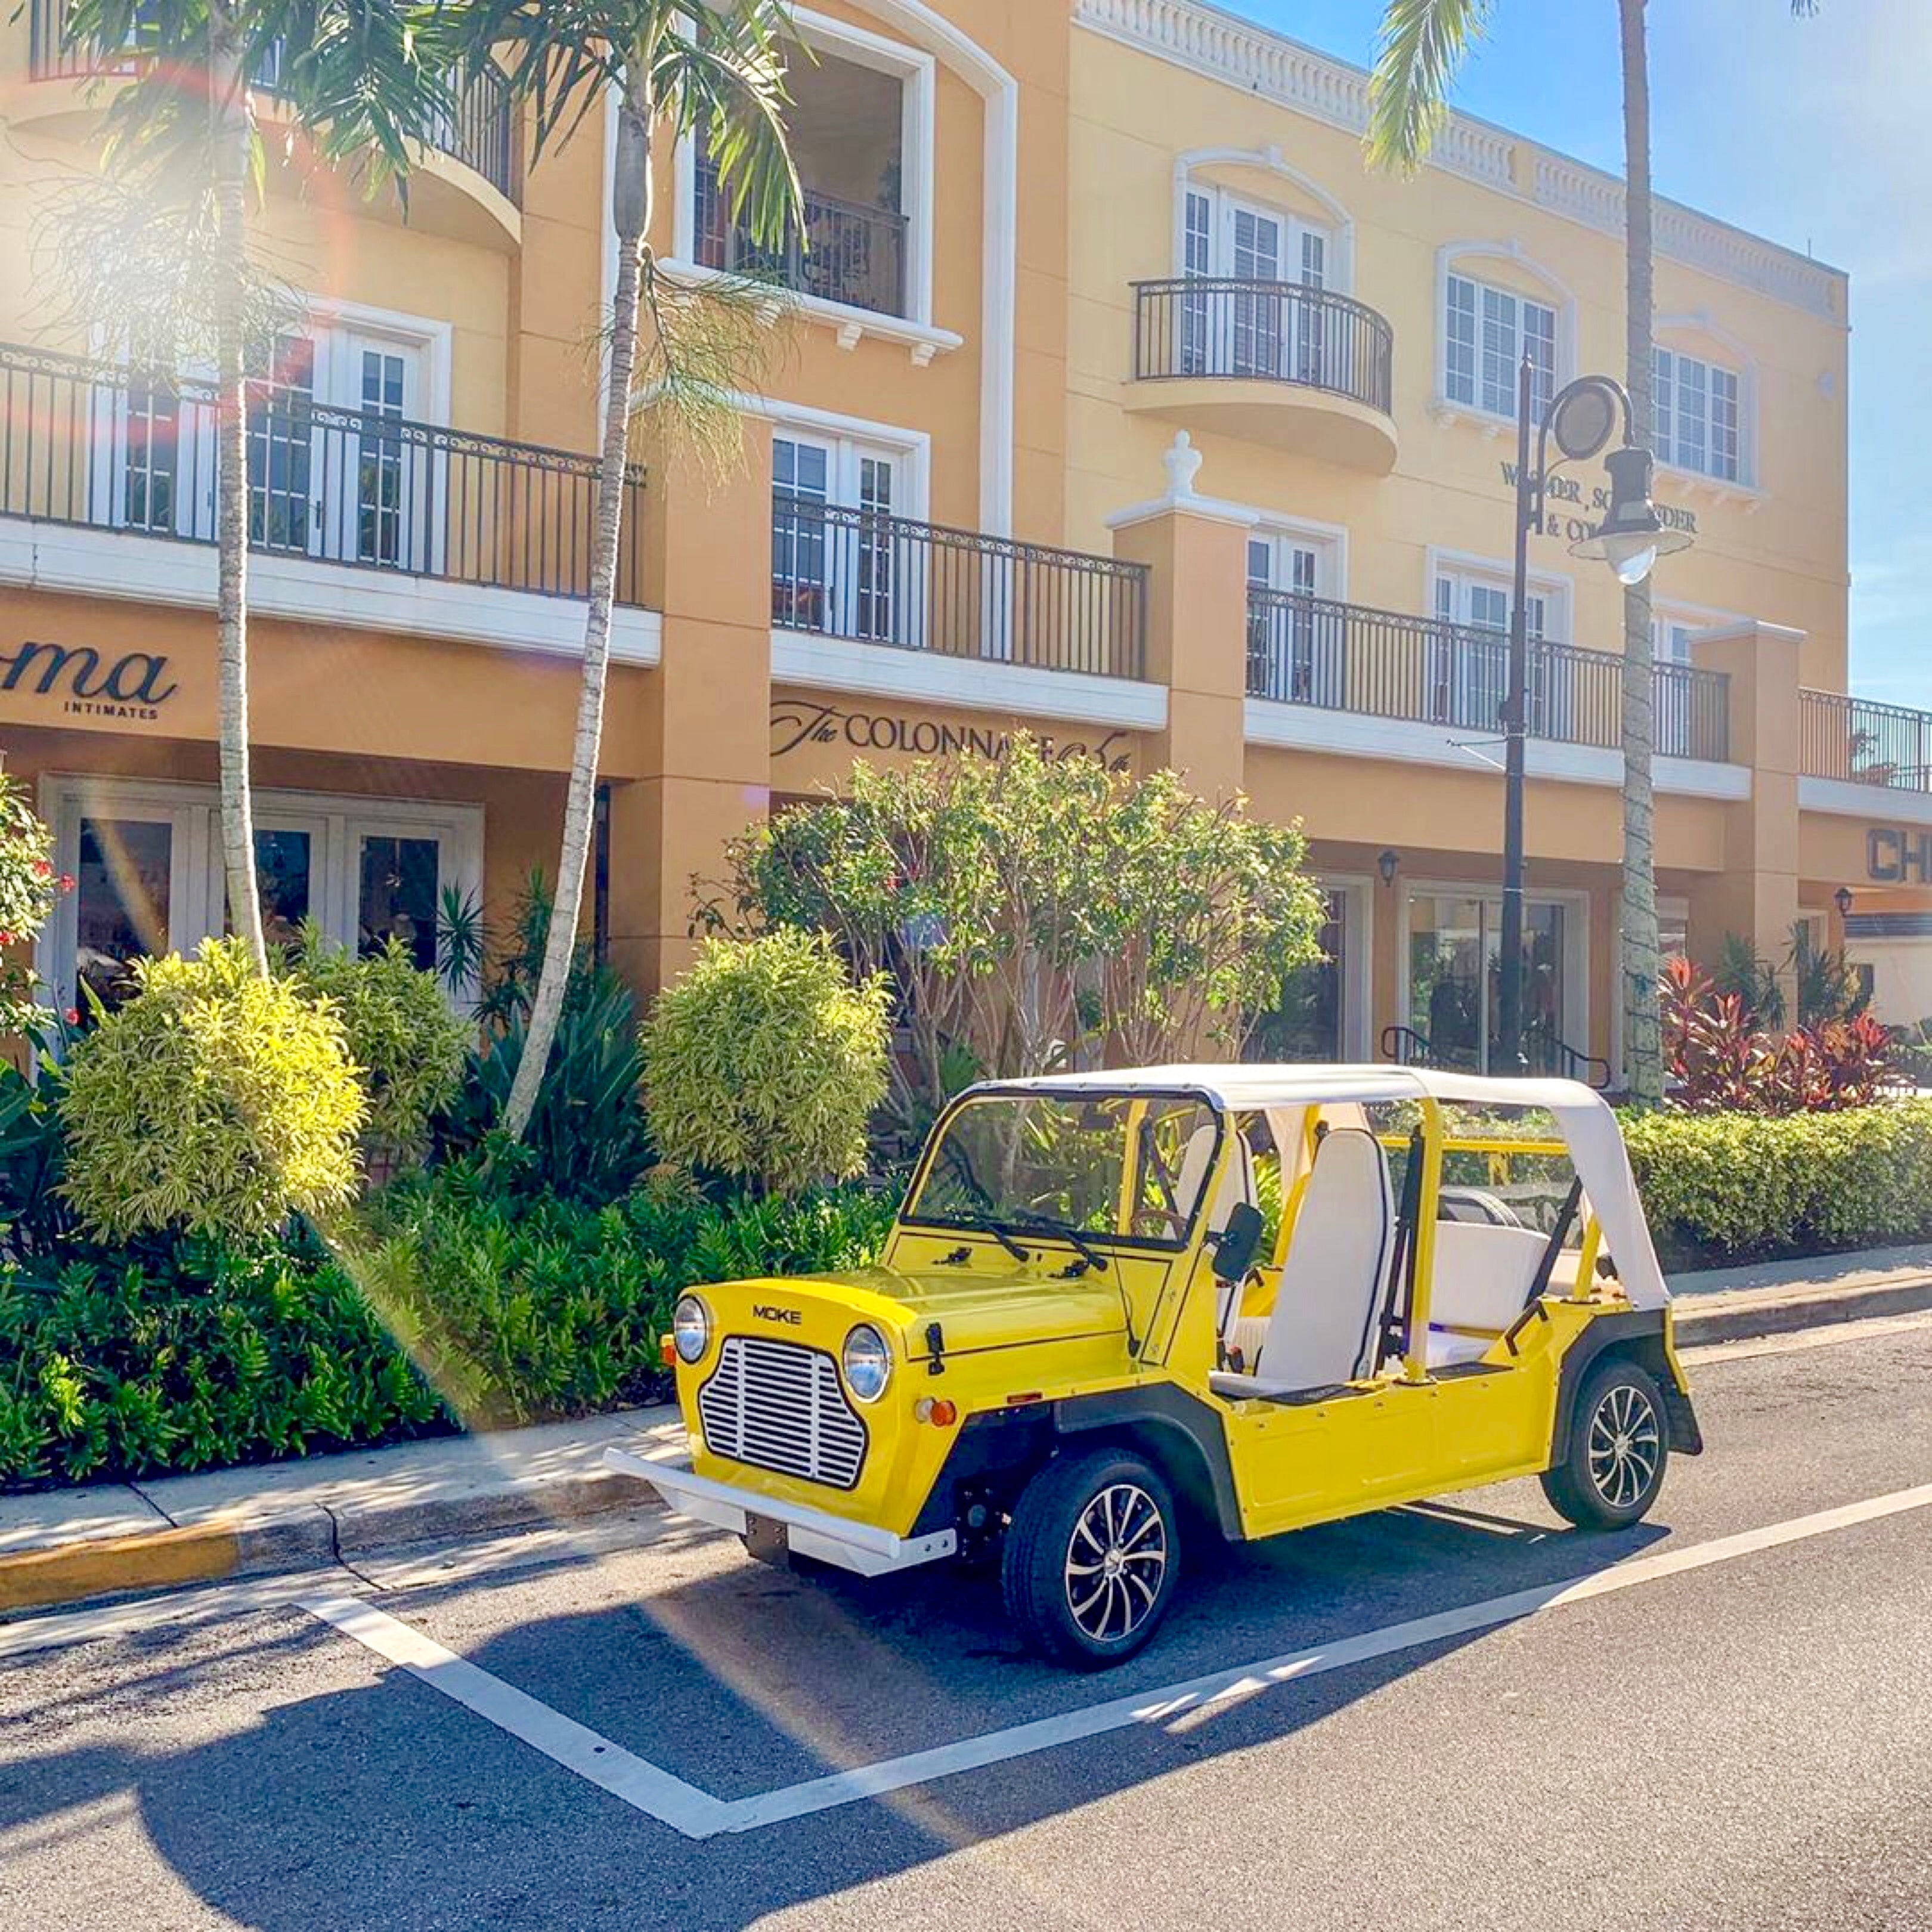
point(667, 1352)
point(940, 1413)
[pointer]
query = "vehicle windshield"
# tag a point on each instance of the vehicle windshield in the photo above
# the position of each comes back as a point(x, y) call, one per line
point(1126, 1167)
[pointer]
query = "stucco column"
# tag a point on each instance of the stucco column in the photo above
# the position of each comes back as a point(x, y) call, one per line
point(1756, 895)
point(707, 569)
point(1196, 550)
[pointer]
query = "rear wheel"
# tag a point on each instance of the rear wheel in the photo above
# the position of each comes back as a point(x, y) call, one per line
point(1090, 1558)
point(1619, 1446)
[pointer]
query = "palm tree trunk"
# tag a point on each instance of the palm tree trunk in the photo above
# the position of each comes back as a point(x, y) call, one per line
point(228, 80)
point(630, 213)
point(1638, 963)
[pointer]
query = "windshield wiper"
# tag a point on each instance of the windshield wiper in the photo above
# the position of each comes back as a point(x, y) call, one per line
point(1042, 1224)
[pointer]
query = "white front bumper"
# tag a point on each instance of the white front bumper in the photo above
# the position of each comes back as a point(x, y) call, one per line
point(857, 1546)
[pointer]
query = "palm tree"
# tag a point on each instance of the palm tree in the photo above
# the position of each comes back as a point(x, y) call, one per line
point(671, 68)
point(361, 80)
point(1421, 45)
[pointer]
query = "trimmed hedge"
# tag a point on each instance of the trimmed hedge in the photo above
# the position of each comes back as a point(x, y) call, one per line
point(444, 1306)
point(1731, 1187)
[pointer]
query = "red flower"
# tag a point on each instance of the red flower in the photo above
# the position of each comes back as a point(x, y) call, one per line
point(42, 869)
point(65, 882)
point(72, 1016)
point(6, 939)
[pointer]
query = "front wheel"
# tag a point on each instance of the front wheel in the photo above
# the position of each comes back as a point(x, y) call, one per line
point(1090, 1558)
point(1619, 1445)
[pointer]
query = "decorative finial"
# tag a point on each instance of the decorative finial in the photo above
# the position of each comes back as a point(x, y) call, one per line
point(1183, 464)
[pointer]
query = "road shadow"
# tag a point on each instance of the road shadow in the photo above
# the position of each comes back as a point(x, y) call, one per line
point(387, 1805)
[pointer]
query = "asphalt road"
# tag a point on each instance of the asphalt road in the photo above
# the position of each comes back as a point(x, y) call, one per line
point(1722, 1730)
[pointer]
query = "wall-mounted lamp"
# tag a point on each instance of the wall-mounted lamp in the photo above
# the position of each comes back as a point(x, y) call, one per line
point(1387, 865)
point(1842, 899)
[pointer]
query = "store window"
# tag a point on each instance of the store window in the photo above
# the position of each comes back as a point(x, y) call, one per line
point(1455, 977)
point(1309, 1022)
point(1486, 332)
point(149, 877)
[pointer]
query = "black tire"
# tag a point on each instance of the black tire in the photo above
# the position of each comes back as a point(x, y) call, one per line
point(1107, 1517)
point(1613, 1464)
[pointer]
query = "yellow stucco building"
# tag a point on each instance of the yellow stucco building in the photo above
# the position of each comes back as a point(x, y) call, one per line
point(1117, 400)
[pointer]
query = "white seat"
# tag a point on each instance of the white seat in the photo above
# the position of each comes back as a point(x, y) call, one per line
point(1482, 1279)
point(1322, 1329)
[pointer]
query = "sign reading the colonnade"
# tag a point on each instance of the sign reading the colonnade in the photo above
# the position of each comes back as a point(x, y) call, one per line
point(79, 681)
point(1596, 500)
point(797, 723)
point(1898, 858)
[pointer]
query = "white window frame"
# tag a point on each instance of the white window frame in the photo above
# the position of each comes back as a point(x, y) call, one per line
point(916, 71)
point(1667, 409)
point(1357, 891)
point(198, 888)
point(1462, 573)
point(1466, 260)
point(1336, 224)
point(1315, 649)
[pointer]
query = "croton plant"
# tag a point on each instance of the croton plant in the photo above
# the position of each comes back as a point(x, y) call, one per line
point(29, 888)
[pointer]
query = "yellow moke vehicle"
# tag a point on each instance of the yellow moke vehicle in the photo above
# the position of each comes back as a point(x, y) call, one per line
point(1075, 1336)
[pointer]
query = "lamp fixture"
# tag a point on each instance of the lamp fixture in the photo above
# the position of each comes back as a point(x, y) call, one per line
point(1842, 899)
point(1632, 536)
point(1388, 866)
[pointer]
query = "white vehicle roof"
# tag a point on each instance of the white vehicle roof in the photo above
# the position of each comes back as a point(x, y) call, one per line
point(1583, 1118)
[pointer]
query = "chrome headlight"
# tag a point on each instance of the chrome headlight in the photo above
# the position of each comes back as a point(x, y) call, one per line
point(868, 1363)
point(691, 1328)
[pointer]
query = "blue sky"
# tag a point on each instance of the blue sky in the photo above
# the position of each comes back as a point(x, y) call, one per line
point(1816, 134)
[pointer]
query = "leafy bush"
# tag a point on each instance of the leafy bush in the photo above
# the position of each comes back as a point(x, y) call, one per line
point(198, 1358)
point(27, 891)
point(400, 1032)
point(214, 1101)
point(1718, 1059)
point(764, 1062)
point(1733, 1186)
point(1036, 907)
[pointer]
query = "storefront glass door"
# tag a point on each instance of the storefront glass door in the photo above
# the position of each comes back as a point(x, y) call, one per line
point(1455, 977)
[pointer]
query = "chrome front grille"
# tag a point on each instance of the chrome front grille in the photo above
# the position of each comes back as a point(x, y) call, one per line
point(780, 1406)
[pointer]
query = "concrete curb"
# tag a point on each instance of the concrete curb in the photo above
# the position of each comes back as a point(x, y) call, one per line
point(344, 1520)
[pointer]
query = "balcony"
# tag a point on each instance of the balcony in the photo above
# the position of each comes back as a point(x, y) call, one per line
point(1347, 658)
point(874, 579)
point(1300, 369)
point(95, 446)
point(1859, 743)
point(479, 133)
point(848, 252)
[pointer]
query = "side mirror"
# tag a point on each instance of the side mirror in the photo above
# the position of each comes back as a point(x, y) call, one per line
point(1237, 1243)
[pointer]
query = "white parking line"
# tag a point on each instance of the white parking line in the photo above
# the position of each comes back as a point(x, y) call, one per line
point(641, 1785)
point(649, 1789)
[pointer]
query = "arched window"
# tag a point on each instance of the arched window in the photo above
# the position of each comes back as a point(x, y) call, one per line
point(1494, 305)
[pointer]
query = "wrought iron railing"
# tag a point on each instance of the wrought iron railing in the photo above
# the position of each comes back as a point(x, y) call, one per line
point(1347, 657)
point(884, 580)
point(1863, 743)
point(480, 129)
point(1544, 1055)
point(840, 251)
point(1272, 332)
point(91, 443)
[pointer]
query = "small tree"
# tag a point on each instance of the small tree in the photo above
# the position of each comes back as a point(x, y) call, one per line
point(1033, 909)
point(765, 1062)
point(215, 1101)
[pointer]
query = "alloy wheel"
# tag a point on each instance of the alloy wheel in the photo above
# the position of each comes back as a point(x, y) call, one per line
point(1625, 1446)
point(1116, 1562)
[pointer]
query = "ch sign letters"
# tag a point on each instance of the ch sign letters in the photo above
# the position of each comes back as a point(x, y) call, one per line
point(135, 685)
point(1896, 858)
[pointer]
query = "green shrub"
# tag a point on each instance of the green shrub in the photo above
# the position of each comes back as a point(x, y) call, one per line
point(27, 891)
point(764, 1061)
point(1720, 1187)
point(401, 1032)
point(214, 1101)
point(198, 1359)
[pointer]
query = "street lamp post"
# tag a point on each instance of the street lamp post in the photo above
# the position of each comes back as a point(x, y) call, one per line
point(1581, 419)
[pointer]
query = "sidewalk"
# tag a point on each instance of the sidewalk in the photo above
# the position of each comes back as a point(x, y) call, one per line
point(65, 1545)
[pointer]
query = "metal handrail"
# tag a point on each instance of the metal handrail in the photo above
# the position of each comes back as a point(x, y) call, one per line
point(88, 442)
point(1350, 657)
point(1204, 325)
point(888, 580)
point(1545, 1053)
point(1863, 742)
point(480, 130)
